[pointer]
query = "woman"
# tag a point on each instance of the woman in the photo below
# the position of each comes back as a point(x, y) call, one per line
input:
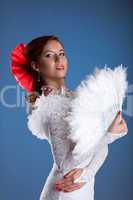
point(43, 69)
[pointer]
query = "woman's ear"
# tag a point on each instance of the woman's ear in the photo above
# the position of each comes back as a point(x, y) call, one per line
point(35, 66)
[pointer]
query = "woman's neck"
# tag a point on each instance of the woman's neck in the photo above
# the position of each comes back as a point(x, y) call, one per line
point(56, 84)
point(53, 87)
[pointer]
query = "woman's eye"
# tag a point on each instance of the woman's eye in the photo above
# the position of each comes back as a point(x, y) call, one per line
point(49, 55)
point(62, 54)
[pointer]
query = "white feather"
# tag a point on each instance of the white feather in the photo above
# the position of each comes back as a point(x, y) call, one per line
point(48, 109)
point(97, 100)
point(38, 119)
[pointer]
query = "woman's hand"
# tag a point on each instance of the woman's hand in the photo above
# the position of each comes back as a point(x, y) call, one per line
point(118, 126)
point(66, 184)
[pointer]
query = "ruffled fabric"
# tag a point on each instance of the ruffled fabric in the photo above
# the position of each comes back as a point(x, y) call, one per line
point(19, 68)
point(38, 118)
point(47, 112)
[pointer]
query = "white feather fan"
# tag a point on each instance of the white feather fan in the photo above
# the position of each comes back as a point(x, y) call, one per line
point(97, 100)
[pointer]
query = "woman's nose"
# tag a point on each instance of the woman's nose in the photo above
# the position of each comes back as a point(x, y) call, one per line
point(57, 57)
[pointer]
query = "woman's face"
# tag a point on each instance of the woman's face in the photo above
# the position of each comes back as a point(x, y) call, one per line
point(53, 62)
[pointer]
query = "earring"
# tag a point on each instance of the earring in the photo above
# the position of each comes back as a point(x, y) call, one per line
point(39, 77)
point(38, 81)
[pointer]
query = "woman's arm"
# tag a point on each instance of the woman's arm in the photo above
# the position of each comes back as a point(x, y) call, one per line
point(117, 129)
point(101, 154)
point(96, 163)
point(86, 174)
point(37, 120)
point(90, 170)
point(30, 102)
point(111, 137)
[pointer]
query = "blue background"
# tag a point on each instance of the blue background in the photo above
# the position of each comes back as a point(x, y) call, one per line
point(94, 33)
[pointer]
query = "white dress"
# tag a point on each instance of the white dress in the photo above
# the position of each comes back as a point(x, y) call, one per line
point(45, 121)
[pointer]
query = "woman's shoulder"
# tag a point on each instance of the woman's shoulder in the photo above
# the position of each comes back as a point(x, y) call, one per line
point(31, 97)
point(39, 102)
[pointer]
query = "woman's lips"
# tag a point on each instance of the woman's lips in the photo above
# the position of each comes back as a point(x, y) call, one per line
point(60, 68)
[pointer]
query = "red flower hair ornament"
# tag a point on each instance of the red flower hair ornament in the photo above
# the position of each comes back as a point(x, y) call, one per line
point(19, 68)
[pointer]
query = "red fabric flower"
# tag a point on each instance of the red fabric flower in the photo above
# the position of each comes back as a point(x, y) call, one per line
point(19, 68)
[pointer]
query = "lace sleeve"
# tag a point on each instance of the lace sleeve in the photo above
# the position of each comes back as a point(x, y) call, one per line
point(111, 137)
point(37, 119)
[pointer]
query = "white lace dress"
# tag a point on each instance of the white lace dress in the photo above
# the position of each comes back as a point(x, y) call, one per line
point(46, 121)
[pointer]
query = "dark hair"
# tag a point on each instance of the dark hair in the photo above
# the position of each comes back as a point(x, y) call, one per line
point(33, 52)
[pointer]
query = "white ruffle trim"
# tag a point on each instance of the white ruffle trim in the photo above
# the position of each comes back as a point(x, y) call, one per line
point(38, 119)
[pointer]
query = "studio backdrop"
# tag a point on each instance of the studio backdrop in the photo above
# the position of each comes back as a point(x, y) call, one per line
point(94, 34)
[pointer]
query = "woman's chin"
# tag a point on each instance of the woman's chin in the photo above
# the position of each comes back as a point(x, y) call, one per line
point(60, 75)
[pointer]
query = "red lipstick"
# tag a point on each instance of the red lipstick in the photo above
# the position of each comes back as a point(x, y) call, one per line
point(61, 67)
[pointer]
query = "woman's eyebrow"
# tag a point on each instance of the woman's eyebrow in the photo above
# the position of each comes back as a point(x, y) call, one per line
point(52, 51)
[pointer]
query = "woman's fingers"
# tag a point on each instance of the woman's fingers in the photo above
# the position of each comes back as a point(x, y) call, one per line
point(68, 180)
point(69, 188)
point(67, 175)
point(118, 118)
point(64, 183)
point(73, 174)
point(78, 173)
point(118, 125)
point(123, 126)
point(73, 187)
point(123, 122)
point(60, 182)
